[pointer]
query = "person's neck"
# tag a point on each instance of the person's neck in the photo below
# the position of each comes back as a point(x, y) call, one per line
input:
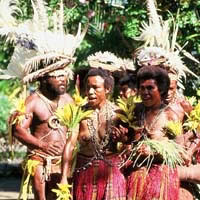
point(50, 95)
point(101, 105)
point(154, 108)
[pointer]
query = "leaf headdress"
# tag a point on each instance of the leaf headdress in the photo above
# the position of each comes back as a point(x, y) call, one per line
point(160, 47)
point(42, 45)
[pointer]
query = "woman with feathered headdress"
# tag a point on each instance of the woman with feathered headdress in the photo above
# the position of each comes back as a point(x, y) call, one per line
point(160, 50)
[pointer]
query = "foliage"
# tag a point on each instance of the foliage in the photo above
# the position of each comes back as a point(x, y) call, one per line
point(72, 113)
point(63, 192)
point(127, 110)
point(5, 107)
point(170, 152)
point(174, 128)
point(193, 120)
point(114, 25)
point(29, 170)
point(8, 86)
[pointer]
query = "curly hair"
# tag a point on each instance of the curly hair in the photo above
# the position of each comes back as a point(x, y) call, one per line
point(105, 74)
point(130, 80)
point(158, 74)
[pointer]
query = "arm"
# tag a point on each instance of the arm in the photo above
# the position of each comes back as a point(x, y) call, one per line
point(22, 130)
point(68, 151)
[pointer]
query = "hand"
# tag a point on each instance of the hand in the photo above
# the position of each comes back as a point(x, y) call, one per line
point(187, 158)
point(13, 116)
point(52, 148)
point(63, 180)
point(119, 134)
point(145, 150)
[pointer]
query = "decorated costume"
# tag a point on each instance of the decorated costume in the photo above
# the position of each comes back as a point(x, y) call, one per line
point(42, 48)
point(157, 180)
point(153, 176)
point(98, 177)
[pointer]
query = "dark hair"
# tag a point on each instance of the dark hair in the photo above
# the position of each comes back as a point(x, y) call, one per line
point(130, 80)
point(158, 74)
point(105, 74)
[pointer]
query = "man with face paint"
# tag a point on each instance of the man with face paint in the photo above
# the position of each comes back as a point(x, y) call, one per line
point(46, 54)
point(96, 175)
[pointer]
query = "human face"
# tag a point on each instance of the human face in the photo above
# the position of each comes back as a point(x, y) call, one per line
point(171, 91)
point(57, 84)
point(126, 92)
point(150, 93)
point(96, 91)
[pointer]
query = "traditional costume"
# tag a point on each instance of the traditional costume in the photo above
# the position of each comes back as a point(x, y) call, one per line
point(42, 47)
point(98, 177)
point(160, 181)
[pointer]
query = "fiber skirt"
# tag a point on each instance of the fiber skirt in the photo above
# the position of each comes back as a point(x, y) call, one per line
point(100, 181)
point(159, 183)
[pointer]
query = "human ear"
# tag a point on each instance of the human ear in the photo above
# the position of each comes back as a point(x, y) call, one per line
point(107, 90)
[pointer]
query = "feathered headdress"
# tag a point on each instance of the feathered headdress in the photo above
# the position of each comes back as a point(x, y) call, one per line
point(160, 47)
point(41, 44)
point(110, 62)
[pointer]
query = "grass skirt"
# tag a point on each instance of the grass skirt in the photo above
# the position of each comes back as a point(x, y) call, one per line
point(159, 183)
point(100, 181)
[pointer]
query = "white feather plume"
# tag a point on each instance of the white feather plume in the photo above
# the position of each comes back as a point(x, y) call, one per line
point(36, 43)
point(160, 46)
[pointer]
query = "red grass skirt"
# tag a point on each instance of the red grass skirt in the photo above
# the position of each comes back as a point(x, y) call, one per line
point(100, 181)
point(160, 183)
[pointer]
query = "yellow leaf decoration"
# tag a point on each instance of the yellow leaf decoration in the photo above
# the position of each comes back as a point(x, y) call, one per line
point(19, 104)
point(79, 101)
point(192, 100)
point(72, 113)
point(174, 128)
point(31, 166)
point(193, 120)
point(127, 106)
point(63, 192)
point(29, 170)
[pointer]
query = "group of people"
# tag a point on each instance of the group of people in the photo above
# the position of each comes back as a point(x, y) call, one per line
point(98, 174)
point(114, 161)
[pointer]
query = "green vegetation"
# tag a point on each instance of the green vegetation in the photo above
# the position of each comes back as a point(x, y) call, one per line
point(113, 26)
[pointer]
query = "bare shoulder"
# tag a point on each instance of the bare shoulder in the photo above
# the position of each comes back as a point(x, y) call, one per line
point(31, 102)
point(171, 114)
